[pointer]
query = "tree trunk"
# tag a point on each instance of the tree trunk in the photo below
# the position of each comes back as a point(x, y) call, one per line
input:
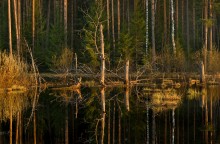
point(173, 127)
point(127, 72)
point(119, 20)
point(127, 105)
point(206, 34)
point(102, 56)
point(103, 116)
point(202, 72)
point(65, 22)
point(165, 21)
point(173, 30)
point(15, 3)
point(33, 25)
point(113, 29)
point(108, 20)
point(153, 32)
point(20, 128)
point(187, 29)
point(210, 32)
point(48, 24)
point(113, 125)
point(9, 28)
point(147, 29)
point(119, 126)
point(194, 25)
point(177, 18)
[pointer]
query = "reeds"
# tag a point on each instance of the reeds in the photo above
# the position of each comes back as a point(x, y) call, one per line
point(13, 72)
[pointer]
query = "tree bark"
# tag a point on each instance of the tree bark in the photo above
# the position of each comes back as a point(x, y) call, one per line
point(177, 18)
point(127, 104)
point(15, 3)
point(165, 21)
point(147, 29)
point(187, 29)
point(103, 116)
point(65, 22)
point(127, 72)
point(113, 29)
point(153, 32)
point(210, 31)
point(119, 20)
point(173, 29)
point(9, 28)
point(206, 34)
point(102, 56)
point(33, 25)
point(108, 20)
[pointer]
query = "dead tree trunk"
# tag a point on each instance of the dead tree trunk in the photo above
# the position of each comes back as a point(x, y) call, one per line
point(202, 72)
point(102, 56)
point(127, 72)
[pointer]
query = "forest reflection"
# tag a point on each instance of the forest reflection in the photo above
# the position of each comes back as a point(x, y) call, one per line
point(112, 115)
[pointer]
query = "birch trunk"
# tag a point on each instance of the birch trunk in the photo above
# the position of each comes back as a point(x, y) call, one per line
point(173, 30)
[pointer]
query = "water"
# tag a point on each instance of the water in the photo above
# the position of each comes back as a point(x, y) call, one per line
point(113, 115)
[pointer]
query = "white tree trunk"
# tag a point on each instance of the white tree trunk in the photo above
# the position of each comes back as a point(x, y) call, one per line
point(173, 30)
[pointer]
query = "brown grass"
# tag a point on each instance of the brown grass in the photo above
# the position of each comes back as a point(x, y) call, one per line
point(14, 73)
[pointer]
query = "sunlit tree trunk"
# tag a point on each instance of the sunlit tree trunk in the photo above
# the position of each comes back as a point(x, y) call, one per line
point(153, 31)
point(16, 13)
point(20, 128)
point(102, 56)
point(127, 72)
point(9, 28)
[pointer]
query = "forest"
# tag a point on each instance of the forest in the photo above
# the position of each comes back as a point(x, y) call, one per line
point(157, 35)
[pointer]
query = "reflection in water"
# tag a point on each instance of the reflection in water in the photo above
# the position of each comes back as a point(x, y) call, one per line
point(113, 115)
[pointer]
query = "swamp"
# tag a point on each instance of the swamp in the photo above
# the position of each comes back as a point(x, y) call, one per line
point(109, 71)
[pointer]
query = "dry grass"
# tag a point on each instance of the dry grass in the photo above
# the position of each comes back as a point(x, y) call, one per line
point(14, 73)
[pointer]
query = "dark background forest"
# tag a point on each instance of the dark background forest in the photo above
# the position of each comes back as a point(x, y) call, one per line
point(160, 35)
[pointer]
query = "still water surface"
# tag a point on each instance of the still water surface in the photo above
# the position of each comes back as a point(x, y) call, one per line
point(134, 115)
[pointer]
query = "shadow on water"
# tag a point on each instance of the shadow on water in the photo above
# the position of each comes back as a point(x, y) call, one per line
point(112, 115)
